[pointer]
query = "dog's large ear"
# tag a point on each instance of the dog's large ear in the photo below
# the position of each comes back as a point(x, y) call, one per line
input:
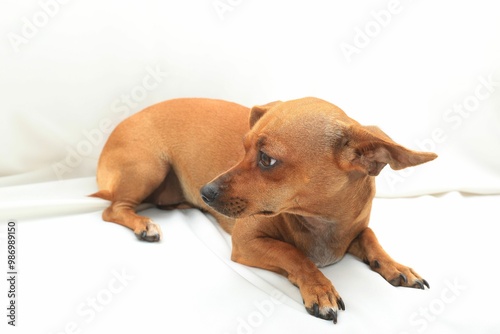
point(258, 111)
point(368, 149)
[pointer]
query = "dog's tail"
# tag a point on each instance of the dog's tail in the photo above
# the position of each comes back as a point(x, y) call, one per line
point(104, 194)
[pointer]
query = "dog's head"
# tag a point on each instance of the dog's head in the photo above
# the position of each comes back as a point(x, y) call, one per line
point(305, 157)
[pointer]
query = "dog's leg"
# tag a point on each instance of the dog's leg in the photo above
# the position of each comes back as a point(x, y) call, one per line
point(319, 296)
point(367, 248)
point(128, 186)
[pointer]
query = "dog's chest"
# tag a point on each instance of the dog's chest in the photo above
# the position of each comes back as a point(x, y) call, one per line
point(319, 242)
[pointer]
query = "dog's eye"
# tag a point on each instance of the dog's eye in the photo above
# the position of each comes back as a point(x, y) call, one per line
point(266, 161)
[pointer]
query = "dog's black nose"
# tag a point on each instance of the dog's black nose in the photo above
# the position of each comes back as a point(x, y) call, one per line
point(209, 193)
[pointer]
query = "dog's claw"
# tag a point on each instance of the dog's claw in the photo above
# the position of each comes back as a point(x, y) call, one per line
point(341, 304)
point(421, 284)
point(332, 315)
point(403, 277)
point(316, 310)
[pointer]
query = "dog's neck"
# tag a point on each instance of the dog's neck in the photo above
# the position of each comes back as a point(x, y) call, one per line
point(344, 211)
point(321, 240)
point(352, 202)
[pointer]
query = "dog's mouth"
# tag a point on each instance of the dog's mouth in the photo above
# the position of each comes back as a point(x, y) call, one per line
point(266, 213)
point(240, 212)
point(233, 208)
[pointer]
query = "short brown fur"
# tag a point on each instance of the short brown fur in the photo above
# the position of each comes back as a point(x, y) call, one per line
point(293, 183)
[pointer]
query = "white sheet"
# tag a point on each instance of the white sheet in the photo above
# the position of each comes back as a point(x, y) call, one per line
point(427, 73)
point(69, 261)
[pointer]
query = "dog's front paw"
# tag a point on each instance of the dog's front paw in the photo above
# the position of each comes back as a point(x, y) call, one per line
point(322, 301)
point(399, 275)
point(150, 232)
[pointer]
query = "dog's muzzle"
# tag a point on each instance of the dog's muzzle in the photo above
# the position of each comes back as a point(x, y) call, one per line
point(215, 195)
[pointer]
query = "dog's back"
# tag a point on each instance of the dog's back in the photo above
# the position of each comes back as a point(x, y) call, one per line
point(167, 152)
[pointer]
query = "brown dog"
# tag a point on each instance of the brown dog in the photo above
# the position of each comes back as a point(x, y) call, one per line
point(296, 194)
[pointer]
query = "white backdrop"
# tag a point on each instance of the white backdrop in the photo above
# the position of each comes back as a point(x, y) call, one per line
point(426, 72)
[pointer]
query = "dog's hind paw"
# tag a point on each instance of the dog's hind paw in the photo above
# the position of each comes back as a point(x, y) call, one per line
point(151, 232)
